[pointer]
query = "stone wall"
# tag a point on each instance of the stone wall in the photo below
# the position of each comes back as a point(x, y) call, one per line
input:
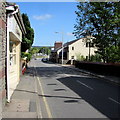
point(2, 54)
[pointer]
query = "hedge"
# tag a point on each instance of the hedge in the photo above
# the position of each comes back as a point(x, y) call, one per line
point(102, 68)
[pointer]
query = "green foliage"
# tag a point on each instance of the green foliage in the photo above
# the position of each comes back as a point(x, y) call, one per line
point(80, 57)
point(101, 20)
point(28, 56)
point(28, 39)
point(112, 54)
point(34, 50)
point(95, 58)
point(45, 50)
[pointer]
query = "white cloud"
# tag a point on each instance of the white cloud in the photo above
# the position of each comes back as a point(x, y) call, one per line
point(42, 17)
point(70, 34)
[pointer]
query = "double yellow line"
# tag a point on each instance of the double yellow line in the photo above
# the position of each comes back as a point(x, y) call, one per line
point(44, 99)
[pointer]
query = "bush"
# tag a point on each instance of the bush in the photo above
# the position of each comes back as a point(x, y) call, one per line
point(27, 55)
point(95, 58)
point(80, 57)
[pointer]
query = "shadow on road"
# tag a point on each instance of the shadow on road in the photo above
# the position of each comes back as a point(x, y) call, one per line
point(52, 71)
point(98, 97)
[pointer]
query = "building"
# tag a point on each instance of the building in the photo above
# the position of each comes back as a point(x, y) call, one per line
point(15, 31)
point(79, 47)
point(73, 49)
point(2, 55)
point(54, 57)
point(57, 45)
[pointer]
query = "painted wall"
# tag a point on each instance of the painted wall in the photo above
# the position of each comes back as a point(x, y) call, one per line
point(80, 49)
point(15, 38)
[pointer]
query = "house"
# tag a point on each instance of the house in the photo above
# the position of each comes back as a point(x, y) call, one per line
point(54, 57)
point(74, 49)
point(15, 31)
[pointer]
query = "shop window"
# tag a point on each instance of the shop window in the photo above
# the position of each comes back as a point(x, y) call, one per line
point(12, 53)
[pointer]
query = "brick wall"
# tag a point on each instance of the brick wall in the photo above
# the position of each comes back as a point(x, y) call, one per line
point(2, 53)
point(57, 45)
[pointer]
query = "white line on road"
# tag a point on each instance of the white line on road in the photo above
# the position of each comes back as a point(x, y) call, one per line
point(113, 100)
point(85, 85)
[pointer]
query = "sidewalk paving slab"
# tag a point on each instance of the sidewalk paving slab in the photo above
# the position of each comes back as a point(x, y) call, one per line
point(18, 105)
point(23, 101)
point(19, 115)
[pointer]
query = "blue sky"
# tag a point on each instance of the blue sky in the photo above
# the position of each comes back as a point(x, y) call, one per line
point(46, 18)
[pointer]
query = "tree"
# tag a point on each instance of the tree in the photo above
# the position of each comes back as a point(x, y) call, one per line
point(34, 50)
point(101, 20)
point(28, 39)
point(45, 50)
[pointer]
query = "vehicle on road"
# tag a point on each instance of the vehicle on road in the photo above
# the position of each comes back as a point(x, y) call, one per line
point(45, 59)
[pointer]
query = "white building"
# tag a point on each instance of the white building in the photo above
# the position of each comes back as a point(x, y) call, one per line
point(73, 49)
point(15, 30)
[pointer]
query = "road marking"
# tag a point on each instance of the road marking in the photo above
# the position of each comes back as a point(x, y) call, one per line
point(113, 100)
point(85, 85)
point(38, 103)
point(39, 111)
point(44, 99)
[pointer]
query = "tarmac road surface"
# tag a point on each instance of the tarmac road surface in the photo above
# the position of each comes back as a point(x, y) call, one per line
point(65, 93)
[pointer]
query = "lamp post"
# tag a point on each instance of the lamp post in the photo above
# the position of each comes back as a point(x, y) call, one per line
point(62, 45)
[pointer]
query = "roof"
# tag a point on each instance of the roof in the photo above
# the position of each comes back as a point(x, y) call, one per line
point(57, 49)
point(71, 42)
point(13, 9)
point(67, 44)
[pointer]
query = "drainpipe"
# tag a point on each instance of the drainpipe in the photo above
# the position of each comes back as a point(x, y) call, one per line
point(8, 57)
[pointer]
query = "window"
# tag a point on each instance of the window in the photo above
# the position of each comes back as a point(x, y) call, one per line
point(12, 59)
point(87, 44)
point(12, 53)
point(86, 58)
point(72, 48)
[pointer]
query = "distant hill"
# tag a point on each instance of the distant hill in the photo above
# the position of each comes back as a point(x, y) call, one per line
point(43, 46)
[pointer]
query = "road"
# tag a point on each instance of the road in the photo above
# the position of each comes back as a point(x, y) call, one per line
point(66, 93)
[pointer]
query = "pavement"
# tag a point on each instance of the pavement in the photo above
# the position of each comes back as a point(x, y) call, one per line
point(25, 102)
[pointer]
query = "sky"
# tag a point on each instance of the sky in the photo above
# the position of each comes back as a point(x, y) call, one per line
point(46, 18)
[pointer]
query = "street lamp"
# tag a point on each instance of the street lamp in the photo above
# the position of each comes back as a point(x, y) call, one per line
point(62, 45)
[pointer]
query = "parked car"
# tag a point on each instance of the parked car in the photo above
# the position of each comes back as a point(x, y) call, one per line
point(44, 59)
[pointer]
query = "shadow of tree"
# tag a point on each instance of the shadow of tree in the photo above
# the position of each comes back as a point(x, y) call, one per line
point(98, 97)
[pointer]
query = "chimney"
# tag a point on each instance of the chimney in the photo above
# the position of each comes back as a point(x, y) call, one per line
point(57, 45)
